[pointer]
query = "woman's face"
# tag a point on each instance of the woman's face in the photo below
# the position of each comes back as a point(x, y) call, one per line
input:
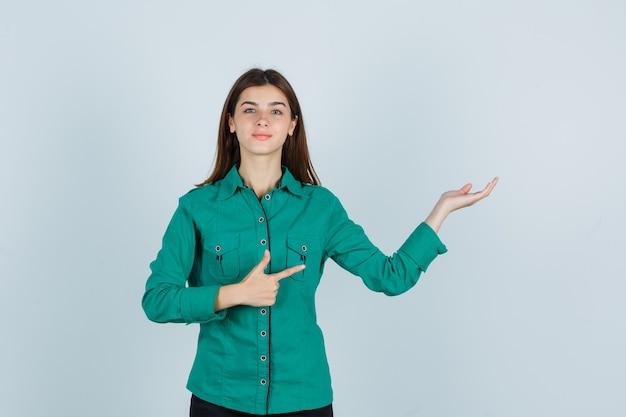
point(262, 121)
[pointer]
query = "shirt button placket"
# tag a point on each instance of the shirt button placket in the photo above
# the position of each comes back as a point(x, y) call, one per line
point(263, 353)
point(263, 313)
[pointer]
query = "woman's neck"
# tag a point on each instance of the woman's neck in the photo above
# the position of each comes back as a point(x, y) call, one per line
point(261, 176)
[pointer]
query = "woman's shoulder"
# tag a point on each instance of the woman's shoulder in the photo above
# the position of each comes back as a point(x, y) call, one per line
point(207, 192)
point(318, 192)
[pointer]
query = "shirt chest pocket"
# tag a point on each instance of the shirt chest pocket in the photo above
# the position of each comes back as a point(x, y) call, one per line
point(303, 249)
point(221, 254)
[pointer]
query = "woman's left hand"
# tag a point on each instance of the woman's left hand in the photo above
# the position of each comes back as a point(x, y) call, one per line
point(454, 200)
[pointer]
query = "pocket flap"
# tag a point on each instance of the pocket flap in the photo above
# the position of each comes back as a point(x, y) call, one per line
point(221, 244)
point(303, 244)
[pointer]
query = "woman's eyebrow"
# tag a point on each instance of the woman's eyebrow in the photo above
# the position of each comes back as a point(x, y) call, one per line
point(273, 103)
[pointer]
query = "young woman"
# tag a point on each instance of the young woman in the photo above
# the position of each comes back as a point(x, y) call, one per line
point(244, 253)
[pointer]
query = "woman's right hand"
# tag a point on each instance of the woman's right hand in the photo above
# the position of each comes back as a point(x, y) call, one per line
point(257, 289)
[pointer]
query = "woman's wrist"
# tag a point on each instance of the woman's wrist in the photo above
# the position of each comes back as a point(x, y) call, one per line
point(227, 296)
point(436, 217)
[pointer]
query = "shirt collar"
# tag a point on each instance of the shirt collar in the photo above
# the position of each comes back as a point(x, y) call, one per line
point(232, 182)
point(294, 186)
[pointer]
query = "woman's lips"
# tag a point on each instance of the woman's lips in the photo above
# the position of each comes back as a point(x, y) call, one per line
point(261, 136)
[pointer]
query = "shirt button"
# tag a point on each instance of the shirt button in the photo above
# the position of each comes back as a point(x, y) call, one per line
point(304, 248)
point(263, 333)
point(263, 358)
point(263, 382)
point(267, 196)
point(263, 311)
point(218, 248)
point(261, 219)
point(263, 242)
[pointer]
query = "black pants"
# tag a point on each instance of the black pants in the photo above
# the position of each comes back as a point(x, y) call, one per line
point(201, 408)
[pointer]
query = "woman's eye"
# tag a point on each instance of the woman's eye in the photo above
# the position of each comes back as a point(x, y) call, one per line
point(276, 111)
point(248, 110)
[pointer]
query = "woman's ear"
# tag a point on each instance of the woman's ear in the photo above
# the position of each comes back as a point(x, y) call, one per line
point(293, 124)
point(231, 123)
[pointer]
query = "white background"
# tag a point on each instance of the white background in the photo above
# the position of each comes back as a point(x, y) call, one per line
point(109, 112)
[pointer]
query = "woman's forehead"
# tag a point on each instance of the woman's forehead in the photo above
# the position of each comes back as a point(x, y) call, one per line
point(263, 94)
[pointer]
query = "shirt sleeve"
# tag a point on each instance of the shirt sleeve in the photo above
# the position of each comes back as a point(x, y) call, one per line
point(167, 297)
point(348, 245)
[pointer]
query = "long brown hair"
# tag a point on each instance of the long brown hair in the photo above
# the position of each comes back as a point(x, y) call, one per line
point(295, 153)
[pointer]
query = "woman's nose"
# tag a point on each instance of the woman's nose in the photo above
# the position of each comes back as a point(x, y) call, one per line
point(262, 121)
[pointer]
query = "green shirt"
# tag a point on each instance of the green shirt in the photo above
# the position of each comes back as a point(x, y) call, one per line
point(269, 359)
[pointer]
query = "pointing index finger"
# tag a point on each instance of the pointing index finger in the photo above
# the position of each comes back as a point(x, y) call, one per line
point(286, 273)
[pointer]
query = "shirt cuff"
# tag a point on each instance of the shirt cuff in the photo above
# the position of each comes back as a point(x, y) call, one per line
point(423, 246)
point(197, 304)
